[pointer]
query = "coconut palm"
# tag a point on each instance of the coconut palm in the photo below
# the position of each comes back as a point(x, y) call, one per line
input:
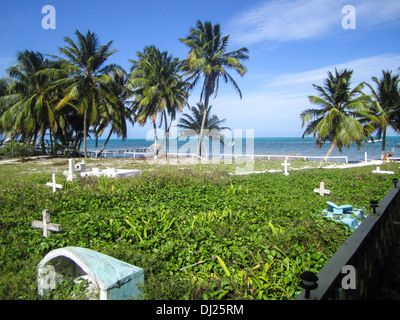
point(87, 75)
point(30, 104)
point(340, 108)
point(4, 92)
point(158, 88)
point(71, 135)
point(208, 58)
point(385, 106)
point(116, 112)
point(191, 124)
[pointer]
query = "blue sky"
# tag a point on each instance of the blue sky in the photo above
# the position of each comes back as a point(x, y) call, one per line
point(292, 44)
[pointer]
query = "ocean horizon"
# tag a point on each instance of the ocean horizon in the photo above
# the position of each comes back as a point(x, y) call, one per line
point(254, 146)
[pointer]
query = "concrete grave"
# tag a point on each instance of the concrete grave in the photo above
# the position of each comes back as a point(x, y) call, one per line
point(352, 217)
point(80, 168)
point(111, 172)
point(70, 174)
point(109, 278)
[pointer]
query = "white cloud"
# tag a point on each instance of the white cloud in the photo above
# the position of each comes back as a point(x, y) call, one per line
point(363, 70)
point(376, 12)
point(283, 21)
point(275, 110)
point(286, 20)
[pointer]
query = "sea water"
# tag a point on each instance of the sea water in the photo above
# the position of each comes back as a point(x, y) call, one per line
point(256, 146)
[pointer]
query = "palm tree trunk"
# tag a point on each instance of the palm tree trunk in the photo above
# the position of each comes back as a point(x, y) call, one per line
point(42, 143)
point(51, 143)
point(203, 121)
point(383, 143)
point(333, 146)
point(85, 129)
point(166, 134)
point(34, 139)
point(155, 138)
point(105, 143)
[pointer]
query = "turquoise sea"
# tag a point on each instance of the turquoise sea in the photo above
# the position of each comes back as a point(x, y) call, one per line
point(256, 146)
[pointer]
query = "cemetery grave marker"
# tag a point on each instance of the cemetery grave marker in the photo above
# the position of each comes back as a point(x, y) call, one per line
point(46, 225)
point(109, 172)
point(322, 191)
point(109, 278)
point(378, 170)
point(286, 164)
point(54, 184)
point(71, 170)
point(80, 167)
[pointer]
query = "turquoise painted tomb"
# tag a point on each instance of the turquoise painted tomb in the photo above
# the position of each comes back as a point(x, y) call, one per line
point(109, 278)
point(352, 217)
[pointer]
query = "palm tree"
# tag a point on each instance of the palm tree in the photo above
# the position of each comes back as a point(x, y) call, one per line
point(158, 88)
point(208, 57)
point(87, 75)
point(116, 112)
point(340, 108)
point(386, 105)
point(30, 104)
point(4, 92)
point(191, 124)
point(71, 135)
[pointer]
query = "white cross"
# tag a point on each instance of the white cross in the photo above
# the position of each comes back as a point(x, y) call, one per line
point(286, 164)
point(378, 170)
point(322, 191)
point(45, 224)
point(54, 184)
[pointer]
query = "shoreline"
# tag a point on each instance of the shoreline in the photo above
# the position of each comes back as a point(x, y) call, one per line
point(234, 167)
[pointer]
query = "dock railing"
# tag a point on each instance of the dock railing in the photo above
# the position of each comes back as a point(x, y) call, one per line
point(279, 157)
point(132, 151)
point(366, 251)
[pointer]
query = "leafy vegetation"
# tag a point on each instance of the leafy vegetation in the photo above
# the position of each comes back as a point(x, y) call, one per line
point(198, 232)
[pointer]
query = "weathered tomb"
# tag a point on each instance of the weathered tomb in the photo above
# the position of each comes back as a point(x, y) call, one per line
point(80, 168)
point(111, 172)
point(109, 278)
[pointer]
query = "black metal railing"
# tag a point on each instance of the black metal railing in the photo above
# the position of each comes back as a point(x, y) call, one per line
point(366, 253)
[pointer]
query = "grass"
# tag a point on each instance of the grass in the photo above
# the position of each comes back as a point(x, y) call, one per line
point(198, 231)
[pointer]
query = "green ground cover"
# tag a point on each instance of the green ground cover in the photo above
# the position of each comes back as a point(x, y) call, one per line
point(197, 231)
